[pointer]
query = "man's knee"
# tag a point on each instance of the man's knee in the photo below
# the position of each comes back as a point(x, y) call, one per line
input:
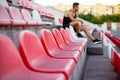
point(76, 23)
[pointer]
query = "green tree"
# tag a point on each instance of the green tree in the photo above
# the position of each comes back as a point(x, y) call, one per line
point(101, 19)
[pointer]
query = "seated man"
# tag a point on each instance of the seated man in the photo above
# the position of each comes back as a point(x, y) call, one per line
point(71, 18)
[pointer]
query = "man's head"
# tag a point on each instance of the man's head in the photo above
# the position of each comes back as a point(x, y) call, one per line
point(76, 6)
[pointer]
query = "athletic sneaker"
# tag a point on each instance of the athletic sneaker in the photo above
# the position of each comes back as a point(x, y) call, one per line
point(96, 41)
point(79, 35)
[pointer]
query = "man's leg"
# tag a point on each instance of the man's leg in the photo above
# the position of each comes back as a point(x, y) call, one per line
point(78, 28)
point(87, 33)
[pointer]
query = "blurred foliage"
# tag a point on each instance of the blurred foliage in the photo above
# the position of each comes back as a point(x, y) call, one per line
point(100, 19)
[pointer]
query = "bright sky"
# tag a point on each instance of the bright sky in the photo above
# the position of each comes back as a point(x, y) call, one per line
point(69, 2)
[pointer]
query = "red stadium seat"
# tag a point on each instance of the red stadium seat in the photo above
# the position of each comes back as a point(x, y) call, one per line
point(28, 18)
point(49, 15)
point(113, 39)
point(83, 40)
point(115, 56)
point(17, 19)
point(29, 5)
point(53, 50)
point(21, 3)
point(68, 41)
point(116, 62)
point(61, 43)
point(12, 67)
point(61, 20)
point(4, 17)
point(41, 12)
point(36, 59)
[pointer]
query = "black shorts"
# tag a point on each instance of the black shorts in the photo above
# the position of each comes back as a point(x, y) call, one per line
point(66, 26)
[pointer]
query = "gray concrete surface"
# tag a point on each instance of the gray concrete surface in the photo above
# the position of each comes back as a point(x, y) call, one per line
point(99, 67)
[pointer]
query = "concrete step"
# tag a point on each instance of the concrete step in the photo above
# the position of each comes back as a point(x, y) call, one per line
point(94, 49)
point(99, 67)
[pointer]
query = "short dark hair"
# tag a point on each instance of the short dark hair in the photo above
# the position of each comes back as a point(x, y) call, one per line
point(75, 4)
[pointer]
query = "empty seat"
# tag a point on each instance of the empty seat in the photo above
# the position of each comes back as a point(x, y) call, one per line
point(12, 67)
point(113, 39)
point(21, 2)
point(116, 60)
point(83, 40)
point(29, 4)
point(68, 41)
point(60, 20)
point(61, 43)
point(53, 50)
point(4, 17)
point(36, 59)
point(49, 15)
point(41, 11)
point(28, 18)
point(17, 19)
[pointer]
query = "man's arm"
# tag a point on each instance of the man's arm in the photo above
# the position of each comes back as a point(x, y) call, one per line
point(70, 15)
point(79, 19)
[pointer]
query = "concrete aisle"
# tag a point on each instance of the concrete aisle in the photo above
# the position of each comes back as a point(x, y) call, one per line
point(99, 67)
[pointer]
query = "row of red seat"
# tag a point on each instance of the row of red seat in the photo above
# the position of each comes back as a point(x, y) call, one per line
point(15, 17)
point(46, 58)
point(115, 40)
point(115, 56)
point(31, 5)
point(116, 60)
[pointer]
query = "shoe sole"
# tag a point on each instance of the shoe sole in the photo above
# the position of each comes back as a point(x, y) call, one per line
point(97, 42)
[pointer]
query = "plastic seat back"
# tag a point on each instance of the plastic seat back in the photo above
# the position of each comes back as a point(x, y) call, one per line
point(72, 33)
point(41, 11)
point(61, 20)
point(59, 40)
point(21, 2)
point(29, 4)
point(4, 16)
point(48, 40)
point(16, 16)
point(31, 48)
point(10, 60)
point(68, 32)
point(65, 36)
point(15, 13)
point(116, 60)
point(114, 40)
point(27, 17)
point(26, 14)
